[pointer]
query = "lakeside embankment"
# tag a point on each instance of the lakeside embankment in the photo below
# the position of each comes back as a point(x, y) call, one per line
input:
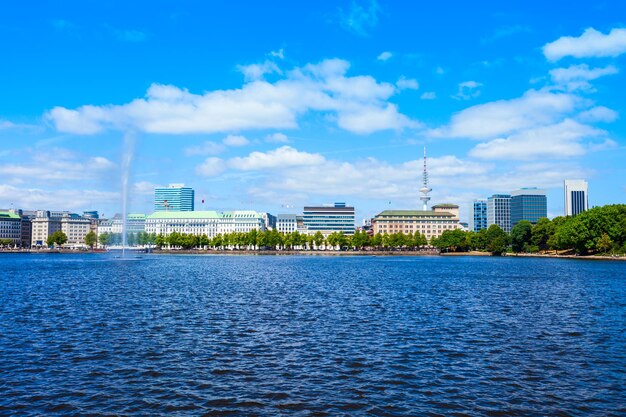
point(241, 252)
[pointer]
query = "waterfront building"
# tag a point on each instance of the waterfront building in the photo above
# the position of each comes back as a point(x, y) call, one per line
point(240, 221)
point(430, 223)
point(174, 197)
point(329, 219)
point(43, 225)
point(11, 227)
point(210, 223)
point(75, 228)
point(499, 211)
point(478, 215)
point(286, 223)
point(528, 204)
point(270, 221)
point(135, 223)
point(576, 197)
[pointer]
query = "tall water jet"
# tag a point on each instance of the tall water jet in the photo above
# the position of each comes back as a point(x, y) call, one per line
point(127, 157)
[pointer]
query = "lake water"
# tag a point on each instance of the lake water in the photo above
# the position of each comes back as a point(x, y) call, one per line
point(291, 335)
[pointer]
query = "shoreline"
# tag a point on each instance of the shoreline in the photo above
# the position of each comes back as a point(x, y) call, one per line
point(375, 253)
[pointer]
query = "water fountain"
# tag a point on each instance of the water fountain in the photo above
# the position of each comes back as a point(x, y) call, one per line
point(127, 157)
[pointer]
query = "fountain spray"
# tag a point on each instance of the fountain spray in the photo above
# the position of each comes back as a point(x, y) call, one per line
point(127, 157)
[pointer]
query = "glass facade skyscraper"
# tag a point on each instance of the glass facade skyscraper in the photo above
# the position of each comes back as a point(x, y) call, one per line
point(499, 211)
point(478, 216)
point(174, 197)
point(528, 204)
point(328, 219)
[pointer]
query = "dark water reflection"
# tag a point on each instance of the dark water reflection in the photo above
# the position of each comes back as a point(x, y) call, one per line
point(311, 336)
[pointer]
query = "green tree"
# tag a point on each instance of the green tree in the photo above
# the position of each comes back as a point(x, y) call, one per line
point(454, 240)
point(318, 239)
point(360, 239)
point(541, 232)
point(104, 239)
point(497, 240)
point(521, 236)
point(604, 243)
point(57, 238)
point(91, 239)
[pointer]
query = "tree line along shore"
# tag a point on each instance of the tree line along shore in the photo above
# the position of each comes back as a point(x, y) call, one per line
point(598, 231)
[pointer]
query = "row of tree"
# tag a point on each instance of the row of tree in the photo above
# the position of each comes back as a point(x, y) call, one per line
point(600, 230)
point(271, 239)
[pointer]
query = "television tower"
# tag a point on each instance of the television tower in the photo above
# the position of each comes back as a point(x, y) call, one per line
point(425, 189)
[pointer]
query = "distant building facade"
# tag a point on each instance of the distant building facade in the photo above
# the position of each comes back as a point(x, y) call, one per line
point(478, 216)
point(210, 223)
point(43, 225)
point(329, 219)
point(430, 223)
point(499, 211)
point(135, 223)
point(174, 197)
point(286, 223)
point(529, 204)
point(11, 227)
point(576, 197)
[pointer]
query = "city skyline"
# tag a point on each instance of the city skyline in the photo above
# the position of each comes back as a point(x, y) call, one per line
point(293, 119)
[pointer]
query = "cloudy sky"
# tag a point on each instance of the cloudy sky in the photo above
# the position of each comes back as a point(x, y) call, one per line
point(274, 105)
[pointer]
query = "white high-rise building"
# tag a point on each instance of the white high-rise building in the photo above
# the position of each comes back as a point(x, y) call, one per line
point(499, 211)
point(576, 197)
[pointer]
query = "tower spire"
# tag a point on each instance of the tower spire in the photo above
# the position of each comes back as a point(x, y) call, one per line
point(425, 189)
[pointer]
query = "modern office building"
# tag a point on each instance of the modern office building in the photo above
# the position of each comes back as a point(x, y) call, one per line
point(576, 197)
point(528, 204)
point(210, 223)
point(11, 227)
point(499, 211)
point(329, 219)
point(174, 197)
point(478, 216)
point(430, 223)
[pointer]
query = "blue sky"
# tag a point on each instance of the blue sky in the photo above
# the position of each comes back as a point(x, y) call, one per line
point(269, 106)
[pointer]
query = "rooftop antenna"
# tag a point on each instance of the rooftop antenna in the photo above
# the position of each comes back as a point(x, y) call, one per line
point(425, 189)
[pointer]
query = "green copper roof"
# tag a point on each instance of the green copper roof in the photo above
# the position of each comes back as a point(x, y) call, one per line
point(397, 213)
point(136, 216)
point(445, 206)
point(8, 215)
point(183, 215)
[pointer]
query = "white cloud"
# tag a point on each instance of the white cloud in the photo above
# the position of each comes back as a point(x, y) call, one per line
point(235, 140)
point(591, 43)
point(255, 72)
point(468, 90)
point(129, 35)
point(277, 138)
point(384, 56)
point(561, 140)
point(144, 188)
point(598, 114)
point(58, 165)
point(55, 199)
point(534, 108)
point(259, 104)
point(211, 167)
point(206, 148)
point(371, 119)
point(577, 77)
point(428, 95)
point(283, 157)
point(280, 54)
point(407, 84)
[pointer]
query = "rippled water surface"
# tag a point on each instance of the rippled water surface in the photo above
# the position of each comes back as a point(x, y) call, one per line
point(290, 335)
